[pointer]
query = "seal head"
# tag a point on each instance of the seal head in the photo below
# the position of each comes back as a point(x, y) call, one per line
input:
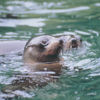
point(71, 41)
point(42, 49)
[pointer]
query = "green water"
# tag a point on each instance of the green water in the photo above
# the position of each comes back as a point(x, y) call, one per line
point(81, 81)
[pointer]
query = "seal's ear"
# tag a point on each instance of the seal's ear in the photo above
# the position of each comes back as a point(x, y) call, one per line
point(43, 43)
point(41, 46)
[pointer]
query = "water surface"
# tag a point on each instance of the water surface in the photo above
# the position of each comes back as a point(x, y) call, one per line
point(22, 19)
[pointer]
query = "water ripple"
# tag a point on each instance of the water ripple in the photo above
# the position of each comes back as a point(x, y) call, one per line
point(15, 22)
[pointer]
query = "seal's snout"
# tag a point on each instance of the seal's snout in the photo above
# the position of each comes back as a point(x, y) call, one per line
point(59, 46)
point(61, 42)
point(74, 43)
point(55, 48)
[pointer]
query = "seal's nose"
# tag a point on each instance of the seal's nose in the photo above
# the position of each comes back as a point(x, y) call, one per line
point(60, 42)
point(74, 41)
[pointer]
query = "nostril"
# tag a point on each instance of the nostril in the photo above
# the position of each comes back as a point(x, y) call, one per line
point(74, 41)
point(61, 41)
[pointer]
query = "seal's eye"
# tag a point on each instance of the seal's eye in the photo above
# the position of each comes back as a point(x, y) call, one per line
point(80, 40)
point(72, 36)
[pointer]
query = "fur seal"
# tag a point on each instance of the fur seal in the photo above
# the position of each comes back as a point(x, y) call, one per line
point(42, 57)
point(71, 41)
point(43, 52)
